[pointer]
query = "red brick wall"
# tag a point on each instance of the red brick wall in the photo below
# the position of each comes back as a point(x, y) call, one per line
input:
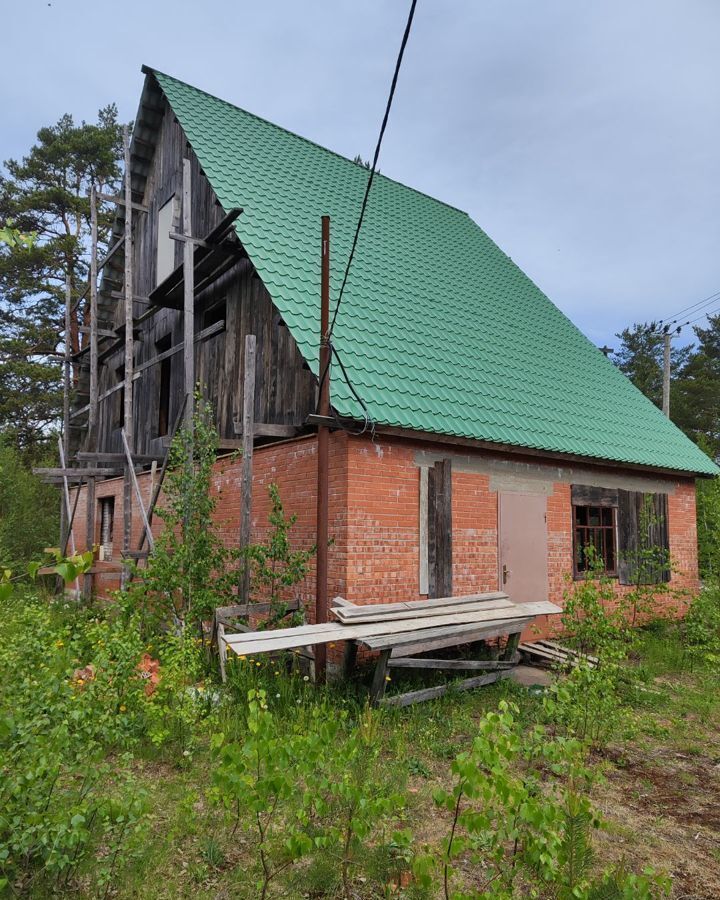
point(374, 517)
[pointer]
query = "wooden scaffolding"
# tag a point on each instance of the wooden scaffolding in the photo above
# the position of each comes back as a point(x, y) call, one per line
point(81, 462)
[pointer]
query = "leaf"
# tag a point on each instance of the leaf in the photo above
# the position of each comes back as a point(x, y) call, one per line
point(6, 590)
point(33, 569)
point(67, 571)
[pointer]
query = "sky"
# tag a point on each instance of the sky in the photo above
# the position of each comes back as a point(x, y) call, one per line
point(583, 137)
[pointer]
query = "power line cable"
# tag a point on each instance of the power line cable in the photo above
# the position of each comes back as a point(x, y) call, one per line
point(688, 309)
point(371, 177)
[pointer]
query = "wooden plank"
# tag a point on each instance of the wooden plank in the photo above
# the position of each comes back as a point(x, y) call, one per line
point(266, 429)
point(372, 616)
point(285, 638)
point(77, 472)
point(587, 495)
point(138, 495)
point(66, 493)
point(553, 646)
point(129, 289)
point(247, 458)
point(442, 638)
point(242, 610)
point(511, 646)
point(400, 700)
point(545, 654)
point(139, 459)
point(450, 665)
point(440, 528)
point(424, 584)
point(434, 603)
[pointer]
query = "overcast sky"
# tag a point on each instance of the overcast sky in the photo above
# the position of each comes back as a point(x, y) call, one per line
point(584, 137)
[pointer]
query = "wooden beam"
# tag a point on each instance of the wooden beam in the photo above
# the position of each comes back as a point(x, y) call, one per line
point(431, 693)
point(139, 459)
point(264, 429)
point(129, 288)
point(247, 460)
point(188, 296)
point(101, 332)
point(120, 201)
point(449, 665)
point(69, 472)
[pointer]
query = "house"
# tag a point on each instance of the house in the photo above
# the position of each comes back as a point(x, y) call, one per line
point(482, 440)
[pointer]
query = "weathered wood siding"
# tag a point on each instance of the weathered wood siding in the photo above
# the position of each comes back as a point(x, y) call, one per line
point(285, 387)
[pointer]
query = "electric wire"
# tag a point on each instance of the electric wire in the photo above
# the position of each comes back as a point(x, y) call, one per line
point(369, 424)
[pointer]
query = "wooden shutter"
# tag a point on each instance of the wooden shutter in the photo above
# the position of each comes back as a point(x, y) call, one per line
point(440, 529)
point(585, 495)
point(631, 542)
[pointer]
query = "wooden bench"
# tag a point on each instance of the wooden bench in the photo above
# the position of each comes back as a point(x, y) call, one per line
point(400, 631)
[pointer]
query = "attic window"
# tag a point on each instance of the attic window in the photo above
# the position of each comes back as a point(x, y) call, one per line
point(165, 244)
point(214, 314)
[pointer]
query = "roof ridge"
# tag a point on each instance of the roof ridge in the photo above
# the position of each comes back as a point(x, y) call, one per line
point(150, 70)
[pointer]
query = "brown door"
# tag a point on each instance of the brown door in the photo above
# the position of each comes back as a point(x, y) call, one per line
point(522, 546)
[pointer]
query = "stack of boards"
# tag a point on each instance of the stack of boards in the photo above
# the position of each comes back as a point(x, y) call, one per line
point(368, 621)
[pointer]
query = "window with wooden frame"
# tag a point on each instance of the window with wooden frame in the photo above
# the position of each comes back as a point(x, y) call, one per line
point(626, 531)
point(595, 538)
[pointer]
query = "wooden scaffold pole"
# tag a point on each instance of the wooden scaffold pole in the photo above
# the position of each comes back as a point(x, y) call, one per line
point(92, 445)
point(128, 290)
point(64, 443)
point(188, 295)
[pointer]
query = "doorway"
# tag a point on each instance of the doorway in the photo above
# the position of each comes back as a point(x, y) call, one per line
point(522, 546)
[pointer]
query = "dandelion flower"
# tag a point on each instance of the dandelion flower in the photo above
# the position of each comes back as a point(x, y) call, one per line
point(277, 696)
point(242, 657)
point(257, 664)
point(123, 708)
point(388, 678)
point(306, 678)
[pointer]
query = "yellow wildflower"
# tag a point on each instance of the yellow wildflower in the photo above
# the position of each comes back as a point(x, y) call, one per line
point(123, 708)
point(388, 678)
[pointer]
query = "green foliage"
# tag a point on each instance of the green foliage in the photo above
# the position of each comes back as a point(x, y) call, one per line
point(47, 194)
point(353, 800)
point(267, 775)
point(191, 571)
point(520, 810)
point(708, 527)
point(701, 626)
point(29, 510)
point(63, 803)
point(276, 566)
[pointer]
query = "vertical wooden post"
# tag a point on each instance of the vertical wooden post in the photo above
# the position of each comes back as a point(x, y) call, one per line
point(64, 442)
point(188, 296)
point(129, 352)
point(92, 443)
point(666, 374)
point(248, 436)
point(323, 451)
point(66, 502)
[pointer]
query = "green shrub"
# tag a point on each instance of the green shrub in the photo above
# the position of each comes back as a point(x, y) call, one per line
point(29, 511)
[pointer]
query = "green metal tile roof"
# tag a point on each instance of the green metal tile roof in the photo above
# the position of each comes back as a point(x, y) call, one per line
point(439, 330)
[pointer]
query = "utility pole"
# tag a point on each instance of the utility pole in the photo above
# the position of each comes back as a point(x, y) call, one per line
point(666, 372)
point(323, 451)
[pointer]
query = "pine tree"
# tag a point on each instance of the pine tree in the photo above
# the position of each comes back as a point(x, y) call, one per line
point(47, 193)
point(640, 357)
point(697, 390)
